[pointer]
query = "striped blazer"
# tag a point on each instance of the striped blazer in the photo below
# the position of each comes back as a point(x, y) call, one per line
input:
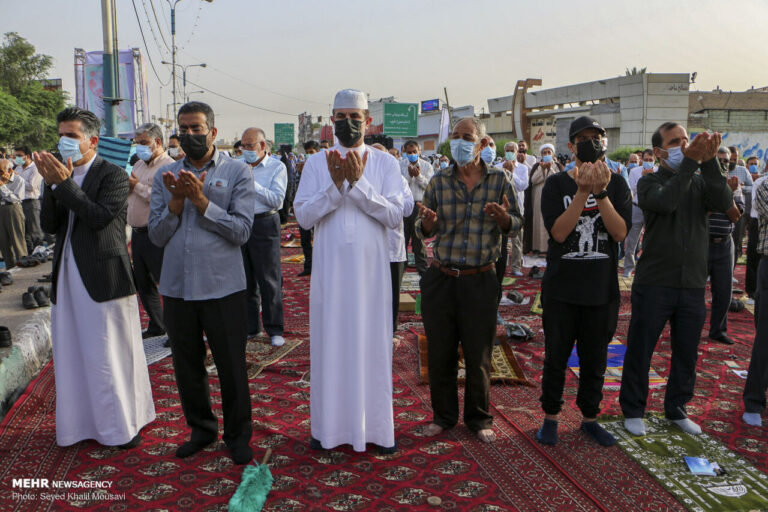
point(98, 233)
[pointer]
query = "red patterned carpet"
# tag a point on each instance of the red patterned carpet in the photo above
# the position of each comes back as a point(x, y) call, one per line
point(513, 474)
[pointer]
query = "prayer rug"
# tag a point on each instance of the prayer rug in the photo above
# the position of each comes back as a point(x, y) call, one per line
point(508, 281)
point(504, 366)
point(295, 258)
point(293, 242)
point(616, 351)
point(154, 349)
point(410, 282)
point(741, 488)
point(259, 353)
point(536, 307)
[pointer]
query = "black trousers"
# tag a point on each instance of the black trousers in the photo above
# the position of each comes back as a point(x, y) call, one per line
point(264, 276)
point(652, 307)
point(396, 269)
point(459, 310)
point(592, 329)
point(223, 321)
point(33, 233)
point(147, 264)
point(753, 258)
point(738, 237)
point(720, 274)
point(306, 247)
point(501, 263)
point(757, 376)
point(417, 245)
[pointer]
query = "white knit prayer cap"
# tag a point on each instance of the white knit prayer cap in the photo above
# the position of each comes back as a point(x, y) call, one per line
point(350, 98)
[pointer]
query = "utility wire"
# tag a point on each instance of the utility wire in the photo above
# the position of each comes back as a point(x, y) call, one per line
point(159, 27)
point(149, 57)
point(194, 25)
point(152, 29)
point(241, 102)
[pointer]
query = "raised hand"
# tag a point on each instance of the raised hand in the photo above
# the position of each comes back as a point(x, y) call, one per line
point(428, 219)
point(601, 177)
point(355, 166)
point(413, 170)
point(733, 182)
point(191, 185)
point(499, 212)
point(584, 177)
point(133, 180)
point(333, 158)
point(699, 148)
point(173, 186)
point(52, 171)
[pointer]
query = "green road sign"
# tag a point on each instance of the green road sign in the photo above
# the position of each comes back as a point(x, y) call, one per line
point(283, 134)
point(400, 119)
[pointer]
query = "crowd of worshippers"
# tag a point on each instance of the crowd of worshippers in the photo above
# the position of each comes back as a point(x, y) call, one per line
point(206, 238)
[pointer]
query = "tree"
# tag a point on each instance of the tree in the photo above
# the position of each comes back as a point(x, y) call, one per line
point(445, 149)
point(29, 111)
point(634, 71)
point(622, 153)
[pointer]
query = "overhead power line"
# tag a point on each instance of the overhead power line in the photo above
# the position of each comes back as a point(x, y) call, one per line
point(146, 48)
point(159, 27)
point(239, 101)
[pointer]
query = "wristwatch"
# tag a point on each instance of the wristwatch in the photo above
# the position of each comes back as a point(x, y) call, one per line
point(601, 195)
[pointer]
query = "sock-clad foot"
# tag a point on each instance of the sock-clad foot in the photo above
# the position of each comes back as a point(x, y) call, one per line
point(547, 434)
point(241, 454)
point(752, 418)
point(687, 426)
point(635, 426)
point(191, 448)
point(596, 431)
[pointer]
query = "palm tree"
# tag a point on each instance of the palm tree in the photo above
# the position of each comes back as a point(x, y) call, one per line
point(635, 71)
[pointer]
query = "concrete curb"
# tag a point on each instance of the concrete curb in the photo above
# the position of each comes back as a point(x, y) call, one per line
point(31, 351)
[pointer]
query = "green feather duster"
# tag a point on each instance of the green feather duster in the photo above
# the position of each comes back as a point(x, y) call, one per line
point(253, 489)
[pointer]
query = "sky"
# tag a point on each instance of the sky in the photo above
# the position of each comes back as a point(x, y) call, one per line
point(291, 56)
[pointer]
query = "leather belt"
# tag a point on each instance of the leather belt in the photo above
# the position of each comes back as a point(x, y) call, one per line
point(718, 239)
point(458, 272)
point(265, 214)
point(142, 229)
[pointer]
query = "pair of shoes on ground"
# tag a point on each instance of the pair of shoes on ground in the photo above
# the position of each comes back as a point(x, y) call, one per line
point(47, 278)
point(536, 273)
point(6, 279)
point(547, 434)
point(239, 454)
point(636, 426)
point(33, 260)
point(36, 297)
point(722, 338)
point(5, 337)
point(736, 306)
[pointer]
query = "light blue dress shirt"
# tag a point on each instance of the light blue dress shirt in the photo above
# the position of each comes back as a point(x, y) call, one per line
point(270, 178)
point(202, 258)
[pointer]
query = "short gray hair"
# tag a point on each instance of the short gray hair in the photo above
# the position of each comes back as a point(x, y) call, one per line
point(151, 129)
point(479, 126)
point(511, 144)
point(723, 149)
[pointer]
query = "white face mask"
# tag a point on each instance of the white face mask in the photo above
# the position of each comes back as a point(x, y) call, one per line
point(674, 157)
point(173, 152)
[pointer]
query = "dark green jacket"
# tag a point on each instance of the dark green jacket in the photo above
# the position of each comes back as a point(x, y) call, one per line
point(675, 206)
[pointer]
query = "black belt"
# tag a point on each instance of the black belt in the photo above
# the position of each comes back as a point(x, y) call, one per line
point(25, 200)
point(718, 239)
point(142, 229)
point(462, 271)
point(265, 214)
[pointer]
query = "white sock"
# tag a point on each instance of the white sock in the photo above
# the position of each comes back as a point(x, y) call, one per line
point(635, 426)
point(752, 418)
point(686, 425)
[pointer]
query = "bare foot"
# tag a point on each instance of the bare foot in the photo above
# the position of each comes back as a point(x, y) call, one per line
point(486, 435)
point(432, 430)
point(396, 342)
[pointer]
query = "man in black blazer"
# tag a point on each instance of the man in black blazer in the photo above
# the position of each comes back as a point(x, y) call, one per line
point(102, 382)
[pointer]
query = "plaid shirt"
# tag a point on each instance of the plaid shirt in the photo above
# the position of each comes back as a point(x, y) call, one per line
point(465, 235)
point(761, 205)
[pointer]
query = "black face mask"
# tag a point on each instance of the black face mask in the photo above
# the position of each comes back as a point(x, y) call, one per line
point(195, 146)
point(731, 166)
point(348, 131)
point(589, 150)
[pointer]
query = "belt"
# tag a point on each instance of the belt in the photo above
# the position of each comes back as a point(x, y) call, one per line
point(718, 239)
point(458, 272)
point(142, 229)
point(32, 199)
point(265, 214)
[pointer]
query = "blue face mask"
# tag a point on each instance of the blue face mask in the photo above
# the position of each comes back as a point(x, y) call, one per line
point(413, 158)
point(546, 159)
point(510, 155)
point(647, 165)
point(674, 157)
point(443, 165)
point(752, 168)
point(70, 148)
point(144, 152)
point(20, 161)
point(462, 151)
point(250, 156)
point(631, 165)
point(570, 166)
point(488, 154)
point(238, 157)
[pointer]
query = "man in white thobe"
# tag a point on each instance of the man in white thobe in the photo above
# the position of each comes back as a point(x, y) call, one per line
point(102, 383)
point(351, 195)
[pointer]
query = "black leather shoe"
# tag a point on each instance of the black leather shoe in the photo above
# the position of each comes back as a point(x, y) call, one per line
point(241, 454)
point(723, 338)
point(5, 337)
point(315, 444)
point(28, 301)
point(133, 443)
point(191, 448)
point(41, 298)
point(47, 278)
point(6, 279)
point(305, 272)
point(386, 451)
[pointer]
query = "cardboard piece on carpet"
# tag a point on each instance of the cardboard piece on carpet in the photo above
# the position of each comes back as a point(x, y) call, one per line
point(660, 453)
point(536, 307)
point(508, 281)
point(407, 303)
point(296, 258)
point(615, 366)
point(504, 366)
point(410, 282)
point(625, 283)
point(293, 242)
